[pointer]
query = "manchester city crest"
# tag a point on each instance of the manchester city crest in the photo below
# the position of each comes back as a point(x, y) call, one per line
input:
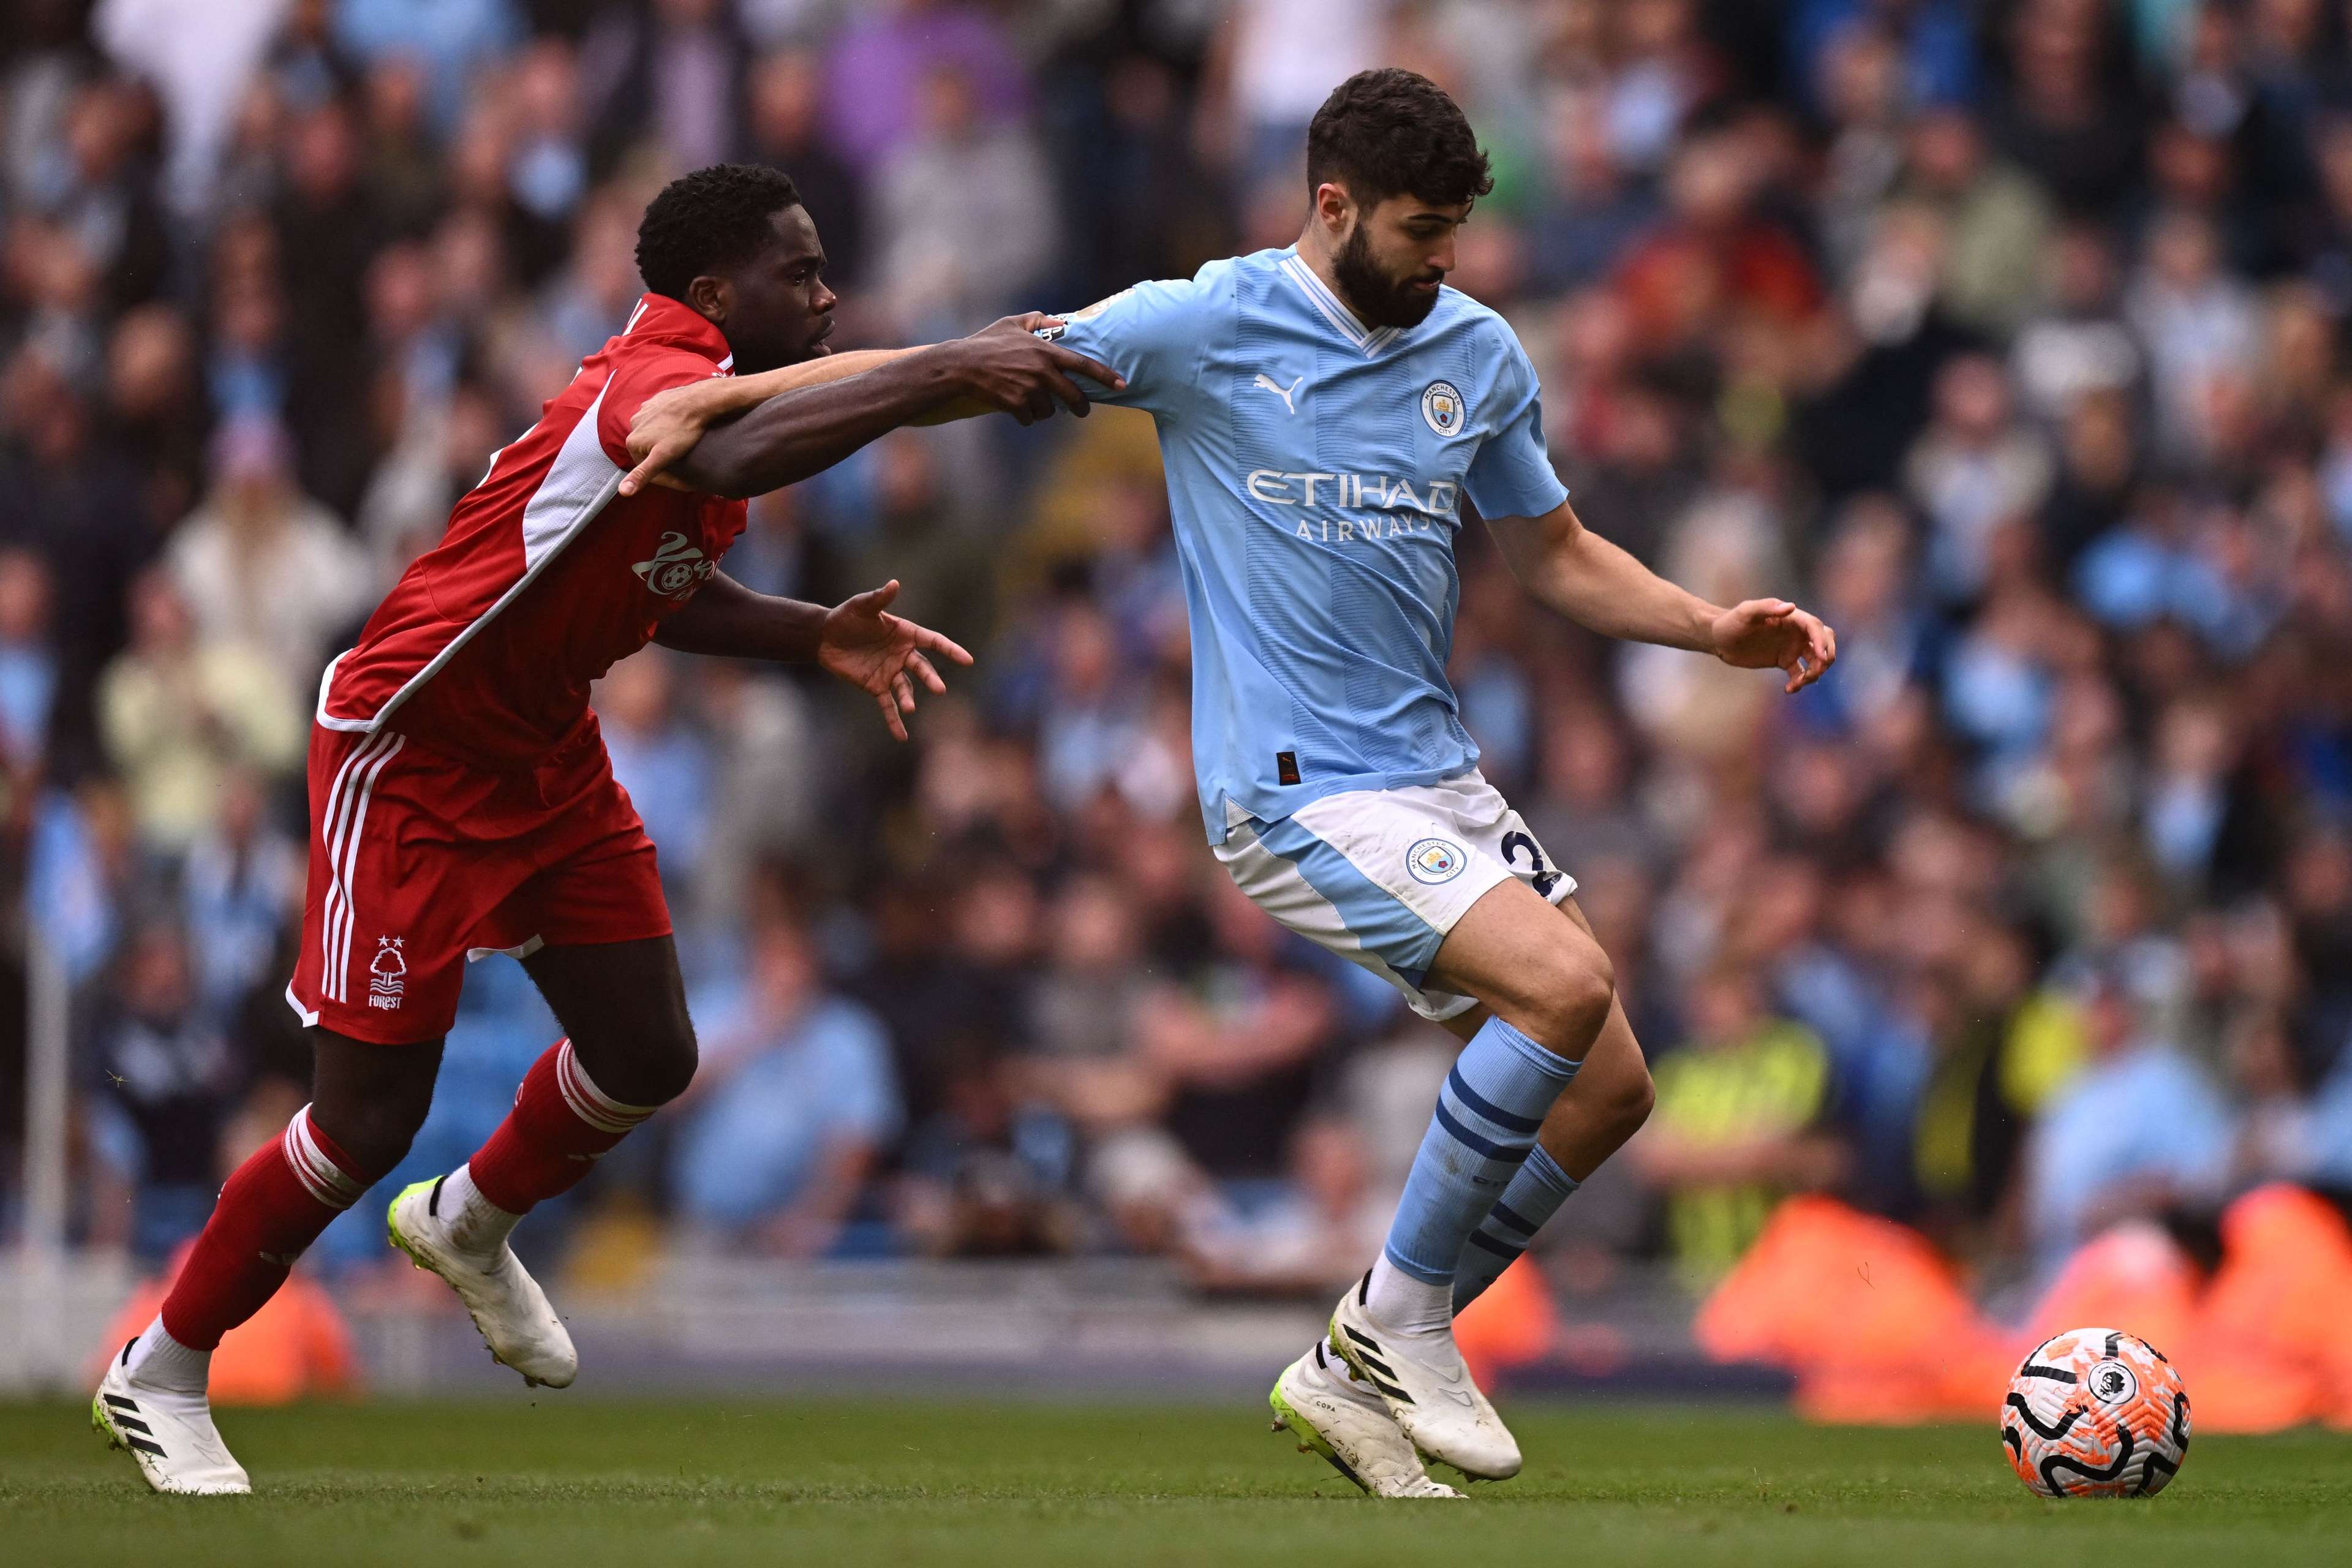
point(1442, 408)
point(1433, 860)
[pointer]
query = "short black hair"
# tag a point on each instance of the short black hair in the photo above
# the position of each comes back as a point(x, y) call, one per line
point(1394, 132)
point(712, 218)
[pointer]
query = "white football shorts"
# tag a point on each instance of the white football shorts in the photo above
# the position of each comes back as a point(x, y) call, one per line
point(1379, 876)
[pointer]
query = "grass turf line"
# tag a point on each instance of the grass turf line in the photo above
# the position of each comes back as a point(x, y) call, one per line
point(583, 1483)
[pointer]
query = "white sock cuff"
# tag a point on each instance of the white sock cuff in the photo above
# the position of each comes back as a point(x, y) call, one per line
point(315, 1168)
point(1405, 1303)
point(157, 1358)
point(588, 1102)
point(474, 1222)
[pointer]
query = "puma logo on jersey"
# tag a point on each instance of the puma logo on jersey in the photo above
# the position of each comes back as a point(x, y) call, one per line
point(1279, 390)
point(677, 568)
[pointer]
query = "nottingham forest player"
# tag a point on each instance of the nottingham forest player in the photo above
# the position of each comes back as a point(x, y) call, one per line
point(462, 802)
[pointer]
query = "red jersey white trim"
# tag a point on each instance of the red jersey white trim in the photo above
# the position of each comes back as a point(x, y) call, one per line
point(522, 692)
point(578, 485)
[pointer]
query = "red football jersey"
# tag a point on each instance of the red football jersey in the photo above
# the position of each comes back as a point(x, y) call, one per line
point(547, 576)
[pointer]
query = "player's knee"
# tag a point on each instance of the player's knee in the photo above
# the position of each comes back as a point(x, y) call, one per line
point(375, 1136)
point(1573, 996)
point(1629, 1103)
point(670, 1065)
point(652, 1068)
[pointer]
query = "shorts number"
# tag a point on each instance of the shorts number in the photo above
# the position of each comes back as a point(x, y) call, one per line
point(1544, 877)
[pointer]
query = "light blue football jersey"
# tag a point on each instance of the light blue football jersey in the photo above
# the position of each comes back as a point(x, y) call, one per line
point(1316, 470)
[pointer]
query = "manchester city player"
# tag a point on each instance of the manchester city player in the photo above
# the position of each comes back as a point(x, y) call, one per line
point(1325, 413)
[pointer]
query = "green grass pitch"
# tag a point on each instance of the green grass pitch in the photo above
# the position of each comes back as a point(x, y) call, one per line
point(583, 1483)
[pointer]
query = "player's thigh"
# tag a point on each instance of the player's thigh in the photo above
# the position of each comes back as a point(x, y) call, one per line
point(623, 1004)
point(371, 1098)
point(1531, 963)
point(592, 927)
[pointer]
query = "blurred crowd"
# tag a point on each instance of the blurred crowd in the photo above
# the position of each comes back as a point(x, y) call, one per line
point(2009, 334)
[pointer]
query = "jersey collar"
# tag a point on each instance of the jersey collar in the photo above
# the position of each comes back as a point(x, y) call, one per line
point(1368, 340)
point(661, 319)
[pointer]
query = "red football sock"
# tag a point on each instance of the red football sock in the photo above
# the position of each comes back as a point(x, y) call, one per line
point(560, 1125)
point(270, 1209)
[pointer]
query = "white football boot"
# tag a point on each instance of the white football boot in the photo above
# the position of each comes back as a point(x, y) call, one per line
point(168, 1433)
point(1334, 1413)
point(1427, 1389)
point(506, 1304)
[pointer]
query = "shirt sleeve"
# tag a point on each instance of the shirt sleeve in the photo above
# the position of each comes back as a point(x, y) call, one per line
point(1151, 334)
point(638, 378)
point(1512, 474)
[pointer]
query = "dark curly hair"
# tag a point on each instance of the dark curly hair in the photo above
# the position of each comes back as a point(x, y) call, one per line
point(1393, 132)
point(712, 218)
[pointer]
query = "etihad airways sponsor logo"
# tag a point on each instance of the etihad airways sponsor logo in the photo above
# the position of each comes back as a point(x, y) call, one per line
point(1436, 497)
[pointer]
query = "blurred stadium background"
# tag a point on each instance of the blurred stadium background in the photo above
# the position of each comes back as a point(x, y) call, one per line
point(2003, 981)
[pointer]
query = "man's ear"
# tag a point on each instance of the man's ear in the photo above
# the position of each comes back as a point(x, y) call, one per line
point(1333, 208)
point(713, 297)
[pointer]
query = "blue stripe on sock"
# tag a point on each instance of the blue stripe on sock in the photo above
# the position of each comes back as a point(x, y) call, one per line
point(1463, 1135)
point(1513, 1218)
point(1488, 1108)
point(1501, 1249)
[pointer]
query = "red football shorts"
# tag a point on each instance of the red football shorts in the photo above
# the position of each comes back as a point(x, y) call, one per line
point(419, 862)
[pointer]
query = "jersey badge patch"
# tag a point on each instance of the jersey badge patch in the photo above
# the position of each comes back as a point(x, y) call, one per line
point(1442, 408)
point(1433, 860)
point(677, 569)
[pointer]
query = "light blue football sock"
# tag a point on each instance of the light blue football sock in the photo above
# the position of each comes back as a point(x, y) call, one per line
point(1488, 1115)
point(1534, 1195)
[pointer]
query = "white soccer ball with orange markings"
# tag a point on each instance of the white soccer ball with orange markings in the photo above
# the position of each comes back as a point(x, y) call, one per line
point(2096, 1412)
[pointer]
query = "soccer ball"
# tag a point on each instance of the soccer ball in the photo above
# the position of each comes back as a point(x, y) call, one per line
point(2096, 1412)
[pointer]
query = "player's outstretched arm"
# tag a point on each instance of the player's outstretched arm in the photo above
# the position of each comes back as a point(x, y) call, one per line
point(668, 423)
point(1601, 588)
point(858, 639)
point(1005, 368)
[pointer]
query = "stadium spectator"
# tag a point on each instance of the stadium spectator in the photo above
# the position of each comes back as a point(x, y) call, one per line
point(28, 664)
point(660, 761)
point(1744, 1118)
point(262, 567)
point(168, 1077)
point(962, 215)
point(989, 1174)
point(793, 1105)
point(2139, 1129)
point(180, 712)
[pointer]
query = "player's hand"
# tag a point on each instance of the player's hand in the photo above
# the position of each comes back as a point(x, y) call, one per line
point(1767, 634)
point(882, 654)
point(1008, 367)
point(667, 426)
